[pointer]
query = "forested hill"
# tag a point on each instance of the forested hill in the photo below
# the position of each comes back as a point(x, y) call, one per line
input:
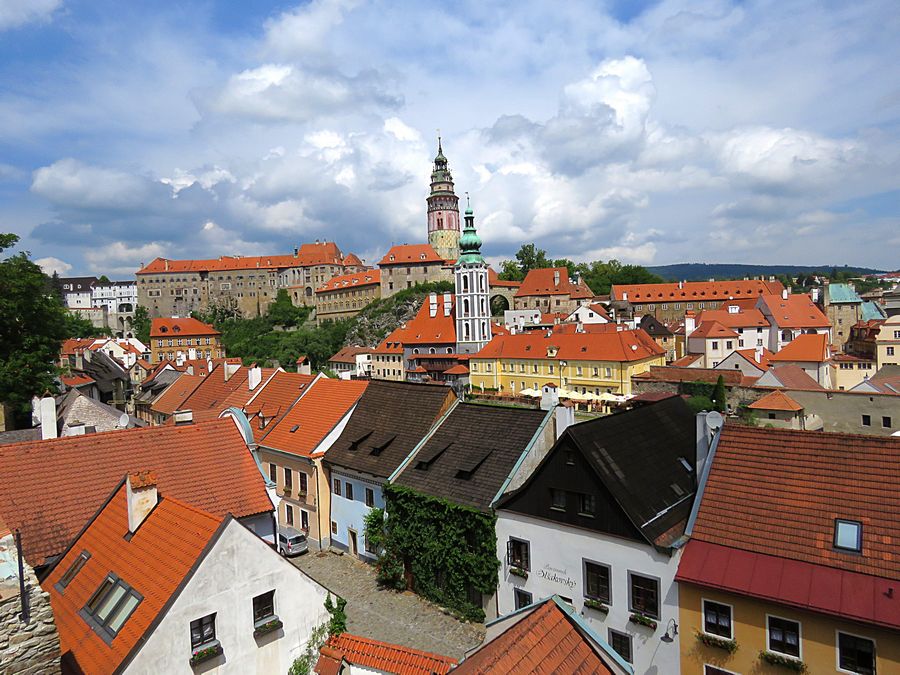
point(704, 271)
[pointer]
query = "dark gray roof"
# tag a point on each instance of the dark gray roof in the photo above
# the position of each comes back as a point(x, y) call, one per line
point(152, 390)
point(388, 422)
point(637, 456)
point(104, 369)
point(654, 327)
point(471, 453)
point(19, 435)
point(79, 283)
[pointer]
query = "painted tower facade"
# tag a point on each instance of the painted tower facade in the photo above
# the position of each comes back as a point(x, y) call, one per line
point(443, 210)
point(473, 311)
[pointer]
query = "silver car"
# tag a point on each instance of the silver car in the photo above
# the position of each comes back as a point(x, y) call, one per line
point(291, 541)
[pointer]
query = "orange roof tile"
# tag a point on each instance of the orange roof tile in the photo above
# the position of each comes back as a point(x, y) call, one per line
point(494, 280)
point(618, 346)
point(777, 400)
point(176, 394)
point(206, 464)
point(175, 328)
point(809, 347)
point(694, 290)
point(543, 641)
point(797, 311)
point(369, 278)
point(732, 378)
point(76, 380)
point(458, 369)
point(317, 413)
point(348, 354)
point(153, 562)
point(712, 329)
point(275, 398)
point(404, 254)
point(543, 282)
point(320, 253)
point(384, 656)
point(750, 355)
point(75, 345)
point(686, 360)
point(351, 259)
point(426, 329)
point(746, 318)
point(778, 492)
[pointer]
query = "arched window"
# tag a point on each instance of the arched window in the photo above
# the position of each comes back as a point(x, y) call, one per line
point(416, 350)
point(483, 307)
point(466, 335)
point(465, 283)
point(465, 307)
point(432, 350)
point(481, 283)
point(449, 350)
point(483, 329)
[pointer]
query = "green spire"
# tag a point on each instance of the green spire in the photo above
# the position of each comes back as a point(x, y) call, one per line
point(469, 242)
point(441, 172)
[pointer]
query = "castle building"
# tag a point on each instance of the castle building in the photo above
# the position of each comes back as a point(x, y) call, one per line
point(443, 210)
point(473, 312)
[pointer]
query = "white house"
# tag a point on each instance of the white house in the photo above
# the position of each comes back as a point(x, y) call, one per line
point(592, 313)
point(181, 588)
point(599, 523)
point(790, 316)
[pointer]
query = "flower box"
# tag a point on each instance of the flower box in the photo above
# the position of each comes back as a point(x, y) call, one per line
point(643, 620)
point(786, 662)
point(518, 571)
point(267, 627)
point(729, 645)
point(206, 653)
point(596, 604)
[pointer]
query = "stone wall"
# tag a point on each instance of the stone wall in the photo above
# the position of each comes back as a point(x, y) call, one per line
point(25, 648)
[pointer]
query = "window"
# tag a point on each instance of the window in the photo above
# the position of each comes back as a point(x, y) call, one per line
point(264, 606)
point(596, 581)
point(557, 499)
point(587, 505)
point(288, 479)
point(333, 527)
point(644, 595)
point(370, 497)
point(337, 487)
point(517, 553)
point(856, 654)
point(715, 344)
point(112, 604)
point(784, 636)
point(886, 422)
point(304, 482)
point(523, 598)
point(729, 344)
point(717, 619)
point(74, 569)
point(867, 420)
point(848, 535)
point(621, 643)
point(713, 670)
point(289, 514)
point(890, 351)
point(203, 631)
point(349, 493)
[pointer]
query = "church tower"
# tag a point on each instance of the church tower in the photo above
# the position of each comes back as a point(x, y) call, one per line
point(473, 311)
point(443, 210)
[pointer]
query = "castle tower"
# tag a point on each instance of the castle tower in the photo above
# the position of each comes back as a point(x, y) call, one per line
point(443, 210)
point(473, 311)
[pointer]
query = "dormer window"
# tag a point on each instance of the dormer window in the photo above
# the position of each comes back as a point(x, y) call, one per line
point(848, 535)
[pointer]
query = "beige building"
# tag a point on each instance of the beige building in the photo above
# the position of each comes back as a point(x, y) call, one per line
point(407, 265)
point(346, 295)
point(848, 370)
point(249, 283)
point(887, 342)
point(184, 339)
point(551, 290)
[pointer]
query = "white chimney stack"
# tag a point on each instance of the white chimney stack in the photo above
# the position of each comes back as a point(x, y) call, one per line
point(556, 277)
point(48, 417)
point(74, 428)
point(758, 354)
point(183, 417)
point(142, 496)
point(231, 369)
point(784, 294)
point(254, 377)
point(563, 418)
point(690, 323)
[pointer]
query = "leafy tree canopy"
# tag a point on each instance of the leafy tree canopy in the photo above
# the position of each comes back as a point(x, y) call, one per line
point(140, 323)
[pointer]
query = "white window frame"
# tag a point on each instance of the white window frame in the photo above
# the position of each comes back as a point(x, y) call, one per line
point(799, 657)
point(837, 650)
point(717, 667)
point(703, 601)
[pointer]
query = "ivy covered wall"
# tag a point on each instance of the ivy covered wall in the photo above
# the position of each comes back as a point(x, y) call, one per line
point(449, 550)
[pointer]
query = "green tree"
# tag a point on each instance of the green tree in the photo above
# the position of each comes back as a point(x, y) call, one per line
point(140, 323)
point(33, 324)
point(529, 257)
point(103, 279)
point(338, 622)
point(719, 396)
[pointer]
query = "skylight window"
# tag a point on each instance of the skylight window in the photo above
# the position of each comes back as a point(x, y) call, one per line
point(111, 606)
point(73, 570)
point(848, 535)
point(294, 428)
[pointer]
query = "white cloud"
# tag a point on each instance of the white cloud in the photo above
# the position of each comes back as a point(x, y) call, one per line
point(71, 182)
point(50, 265)
point(305, 30)
point(121, 258)
point(15, 13)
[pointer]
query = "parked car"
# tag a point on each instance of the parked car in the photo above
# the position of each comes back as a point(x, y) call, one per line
point(291, 541)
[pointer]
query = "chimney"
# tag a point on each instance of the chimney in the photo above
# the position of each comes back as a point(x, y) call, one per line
point(179, 359)
point(708, 425)
point(142, 496)
point(48, 418)
point(690, 323)
point(296, 251)
point(625, 297)
point(757, 354)
point(190, 369)
point(563, 418)
point(556, 277)
point(231, 369)
point(579, 327)
point(254, 377)
point(74, 428)
point(680, 285)
point(167, 265)
point(784, 293)
point(432, 305)
point(183, 417)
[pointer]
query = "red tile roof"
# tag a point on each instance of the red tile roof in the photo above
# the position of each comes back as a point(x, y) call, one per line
point(712, 329)
point(316, 414)
point(349, 354)
point(776, 400)
point(458, 369)
point(494, 280)
point(76, 380)
point(75, 345)
point(153, 562)
point(543, 641)
point(797, 311)
point(424, 328)
point(686, 360)
point(791, 377)
point(352, 260)
point(382, 656)
point(175, 328)
point(176, 394)
point(320, 253)
point(618, 346)
point(543, 282)
point(370, 278)
point(746, 318)
point(809, 347)
point(732, 378)
point(404, 254)
point(207, 465)
point(750, 355)
point(694, 290)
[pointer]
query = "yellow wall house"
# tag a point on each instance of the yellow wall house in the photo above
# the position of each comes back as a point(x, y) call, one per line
point(887, 343)
point(589, 362)
point(793, 562)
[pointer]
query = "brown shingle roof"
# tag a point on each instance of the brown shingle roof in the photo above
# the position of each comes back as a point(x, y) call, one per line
point(732, 378)
point(51, 488)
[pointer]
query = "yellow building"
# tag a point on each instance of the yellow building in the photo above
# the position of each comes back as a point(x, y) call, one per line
point(848, 370)
point(887, 342)
point(590, 362)
point(173, 339)
point(345, 296)
point(791, 565)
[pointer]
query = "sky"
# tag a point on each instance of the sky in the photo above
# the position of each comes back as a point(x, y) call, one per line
point(652, 133)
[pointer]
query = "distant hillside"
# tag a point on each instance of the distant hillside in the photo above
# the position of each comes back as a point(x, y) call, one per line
point(703, 271)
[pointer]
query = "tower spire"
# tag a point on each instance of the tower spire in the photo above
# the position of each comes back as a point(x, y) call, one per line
point(470, 242)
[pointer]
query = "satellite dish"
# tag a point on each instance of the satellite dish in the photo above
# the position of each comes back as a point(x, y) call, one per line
point(123, 420)
point(714, 420)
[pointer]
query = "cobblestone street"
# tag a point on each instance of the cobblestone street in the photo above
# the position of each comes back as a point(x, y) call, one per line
point(401, 618)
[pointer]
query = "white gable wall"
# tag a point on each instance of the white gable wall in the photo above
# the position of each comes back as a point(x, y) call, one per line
point(239, 567)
